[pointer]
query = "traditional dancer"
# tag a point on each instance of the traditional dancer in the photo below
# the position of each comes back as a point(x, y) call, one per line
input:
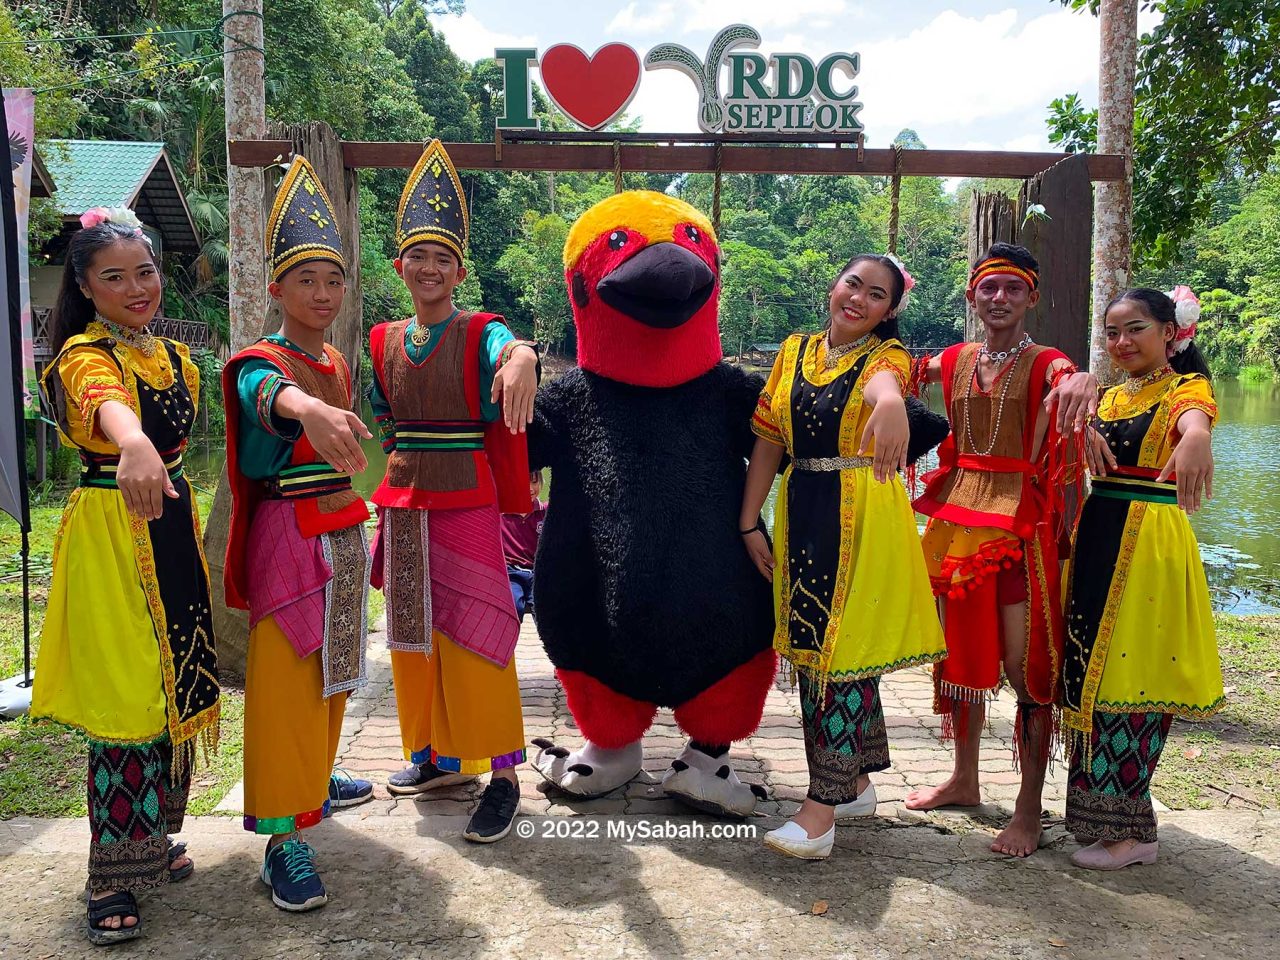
point(991, 543)
point(850, 588)
point(1140, 642)
point(127, 651)
point(455, 458)
point(297, 558)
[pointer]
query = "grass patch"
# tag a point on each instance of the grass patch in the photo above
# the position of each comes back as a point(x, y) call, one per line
point(1232, 760)
point(43, 766)
point(1256, 373)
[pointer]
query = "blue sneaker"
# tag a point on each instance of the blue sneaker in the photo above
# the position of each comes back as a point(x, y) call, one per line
point(347, 791)
point(289, 869)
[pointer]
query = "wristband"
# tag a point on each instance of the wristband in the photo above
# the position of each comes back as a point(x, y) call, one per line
point(755, 529)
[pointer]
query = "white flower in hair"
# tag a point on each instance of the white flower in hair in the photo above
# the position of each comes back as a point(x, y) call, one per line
point(1186, 311)
point(908, 282)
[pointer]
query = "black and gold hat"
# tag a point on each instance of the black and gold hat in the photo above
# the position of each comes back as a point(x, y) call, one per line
point(302, 225)
point(433, 208)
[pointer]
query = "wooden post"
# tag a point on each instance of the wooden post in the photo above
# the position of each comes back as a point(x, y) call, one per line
point(991, 220)
point(245, 103)
point(1063, 246)
point(1113, 202)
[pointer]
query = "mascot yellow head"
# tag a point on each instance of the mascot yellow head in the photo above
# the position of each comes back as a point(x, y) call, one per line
point(643, 271)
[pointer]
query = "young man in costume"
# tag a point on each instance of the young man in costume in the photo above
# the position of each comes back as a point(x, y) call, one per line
point(452, 392)
point(991, 543)
point(297, 558)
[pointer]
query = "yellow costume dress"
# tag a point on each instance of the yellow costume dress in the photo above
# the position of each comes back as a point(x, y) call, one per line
point(851, 592)
point(126, 651)
point(1140, 645)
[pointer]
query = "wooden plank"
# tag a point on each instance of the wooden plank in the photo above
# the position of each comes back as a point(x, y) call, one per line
point(659, 158)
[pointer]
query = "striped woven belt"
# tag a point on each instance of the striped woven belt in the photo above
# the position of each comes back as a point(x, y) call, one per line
point(306, 480)
point(1133, 483)
point(99, 469)
point(425, 435)
point(825, 464)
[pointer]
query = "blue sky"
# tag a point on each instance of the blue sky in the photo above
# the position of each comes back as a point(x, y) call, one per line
point(977, 75)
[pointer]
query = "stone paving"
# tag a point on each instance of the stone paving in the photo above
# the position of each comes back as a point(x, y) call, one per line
point(774, 757)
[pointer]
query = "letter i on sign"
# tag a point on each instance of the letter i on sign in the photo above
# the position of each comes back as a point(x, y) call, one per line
point(517, 113)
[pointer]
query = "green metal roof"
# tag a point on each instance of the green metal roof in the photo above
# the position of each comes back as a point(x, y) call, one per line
point(121, 173)
point(99, 173)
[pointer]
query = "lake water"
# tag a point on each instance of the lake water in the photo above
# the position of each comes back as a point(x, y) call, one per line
point(1239, 531)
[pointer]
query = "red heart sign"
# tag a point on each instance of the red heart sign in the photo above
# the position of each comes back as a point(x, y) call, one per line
point(593, 90)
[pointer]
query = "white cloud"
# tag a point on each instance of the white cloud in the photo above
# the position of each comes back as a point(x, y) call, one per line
point(761, 14)
point(988, 79)
point(472, 40)
point(630, 20)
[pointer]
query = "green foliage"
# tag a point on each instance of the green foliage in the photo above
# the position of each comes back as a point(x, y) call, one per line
point(534, 265)
point(1207, 89)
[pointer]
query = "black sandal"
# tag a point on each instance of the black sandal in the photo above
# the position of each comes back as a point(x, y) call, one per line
point(122, 905)
point(177, 851)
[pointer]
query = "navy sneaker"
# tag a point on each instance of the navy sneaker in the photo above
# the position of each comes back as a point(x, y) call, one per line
point(497, 811)
point(289, 869)
point(348, 791)
point(421, 777)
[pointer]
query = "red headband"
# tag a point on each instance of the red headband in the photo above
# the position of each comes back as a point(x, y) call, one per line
point(1000, 265)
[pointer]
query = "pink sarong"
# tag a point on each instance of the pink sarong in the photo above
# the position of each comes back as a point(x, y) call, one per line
point(443, 570)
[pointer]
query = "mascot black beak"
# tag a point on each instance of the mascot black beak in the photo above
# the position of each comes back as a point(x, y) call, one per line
point(661, 286)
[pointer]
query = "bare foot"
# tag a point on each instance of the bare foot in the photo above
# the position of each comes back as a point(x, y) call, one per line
point(953, 793)
point(1020, 838)
point(116, 922)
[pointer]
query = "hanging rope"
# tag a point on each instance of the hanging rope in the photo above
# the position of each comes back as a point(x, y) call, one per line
point(895, 193)
point(617, 167)
point(715, 196)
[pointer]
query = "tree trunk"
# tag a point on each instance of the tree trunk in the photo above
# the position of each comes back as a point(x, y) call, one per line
point(246, 110)
point(1113, 200)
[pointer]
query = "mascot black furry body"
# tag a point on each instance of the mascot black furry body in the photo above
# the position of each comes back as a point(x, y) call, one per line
point(646, 597)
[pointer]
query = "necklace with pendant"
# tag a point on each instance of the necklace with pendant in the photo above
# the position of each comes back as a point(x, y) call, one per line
point(420, 336)
point(1135, 385)
point(998, 359)
point(1000, 356)
point(136, 338)
point(835, 354)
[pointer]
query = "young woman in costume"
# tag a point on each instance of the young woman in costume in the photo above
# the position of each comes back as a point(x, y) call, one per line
point(127, 652)
point(850, 588)
point(1140, 644)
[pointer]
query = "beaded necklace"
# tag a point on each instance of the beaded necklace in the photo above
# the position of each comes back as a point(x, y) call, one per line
point(138, 338)
point(999, 359)
point(835, 354)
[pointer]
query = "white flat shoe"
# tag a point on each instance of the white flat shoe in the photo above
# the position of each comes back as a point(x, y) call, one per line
point(864, 806)
point(791, 839)
point(1097, 856)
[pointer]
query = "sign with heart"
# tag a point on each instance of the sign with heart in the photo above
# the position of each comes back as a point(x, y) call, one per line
point(591, 90)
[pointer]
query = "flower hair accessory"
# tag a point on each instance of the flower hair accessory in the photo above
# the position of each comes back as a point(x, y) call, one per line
point(908, 281)
point(1187, 313)
point(121, 216)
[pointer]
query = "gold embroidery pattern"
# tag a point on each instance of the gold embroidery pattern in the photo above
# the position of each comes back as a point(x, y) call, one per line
point(1081, 720)
point(408, 580)
point(345, 603)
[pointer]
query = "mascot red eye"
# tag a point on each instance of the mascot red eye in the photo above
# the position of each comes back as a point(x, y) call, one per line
point(693, 234)
point(617, 240)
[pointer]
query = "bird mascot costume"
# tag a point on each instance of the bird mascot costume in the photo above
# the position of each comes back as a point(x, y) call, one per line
point(646, 597)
